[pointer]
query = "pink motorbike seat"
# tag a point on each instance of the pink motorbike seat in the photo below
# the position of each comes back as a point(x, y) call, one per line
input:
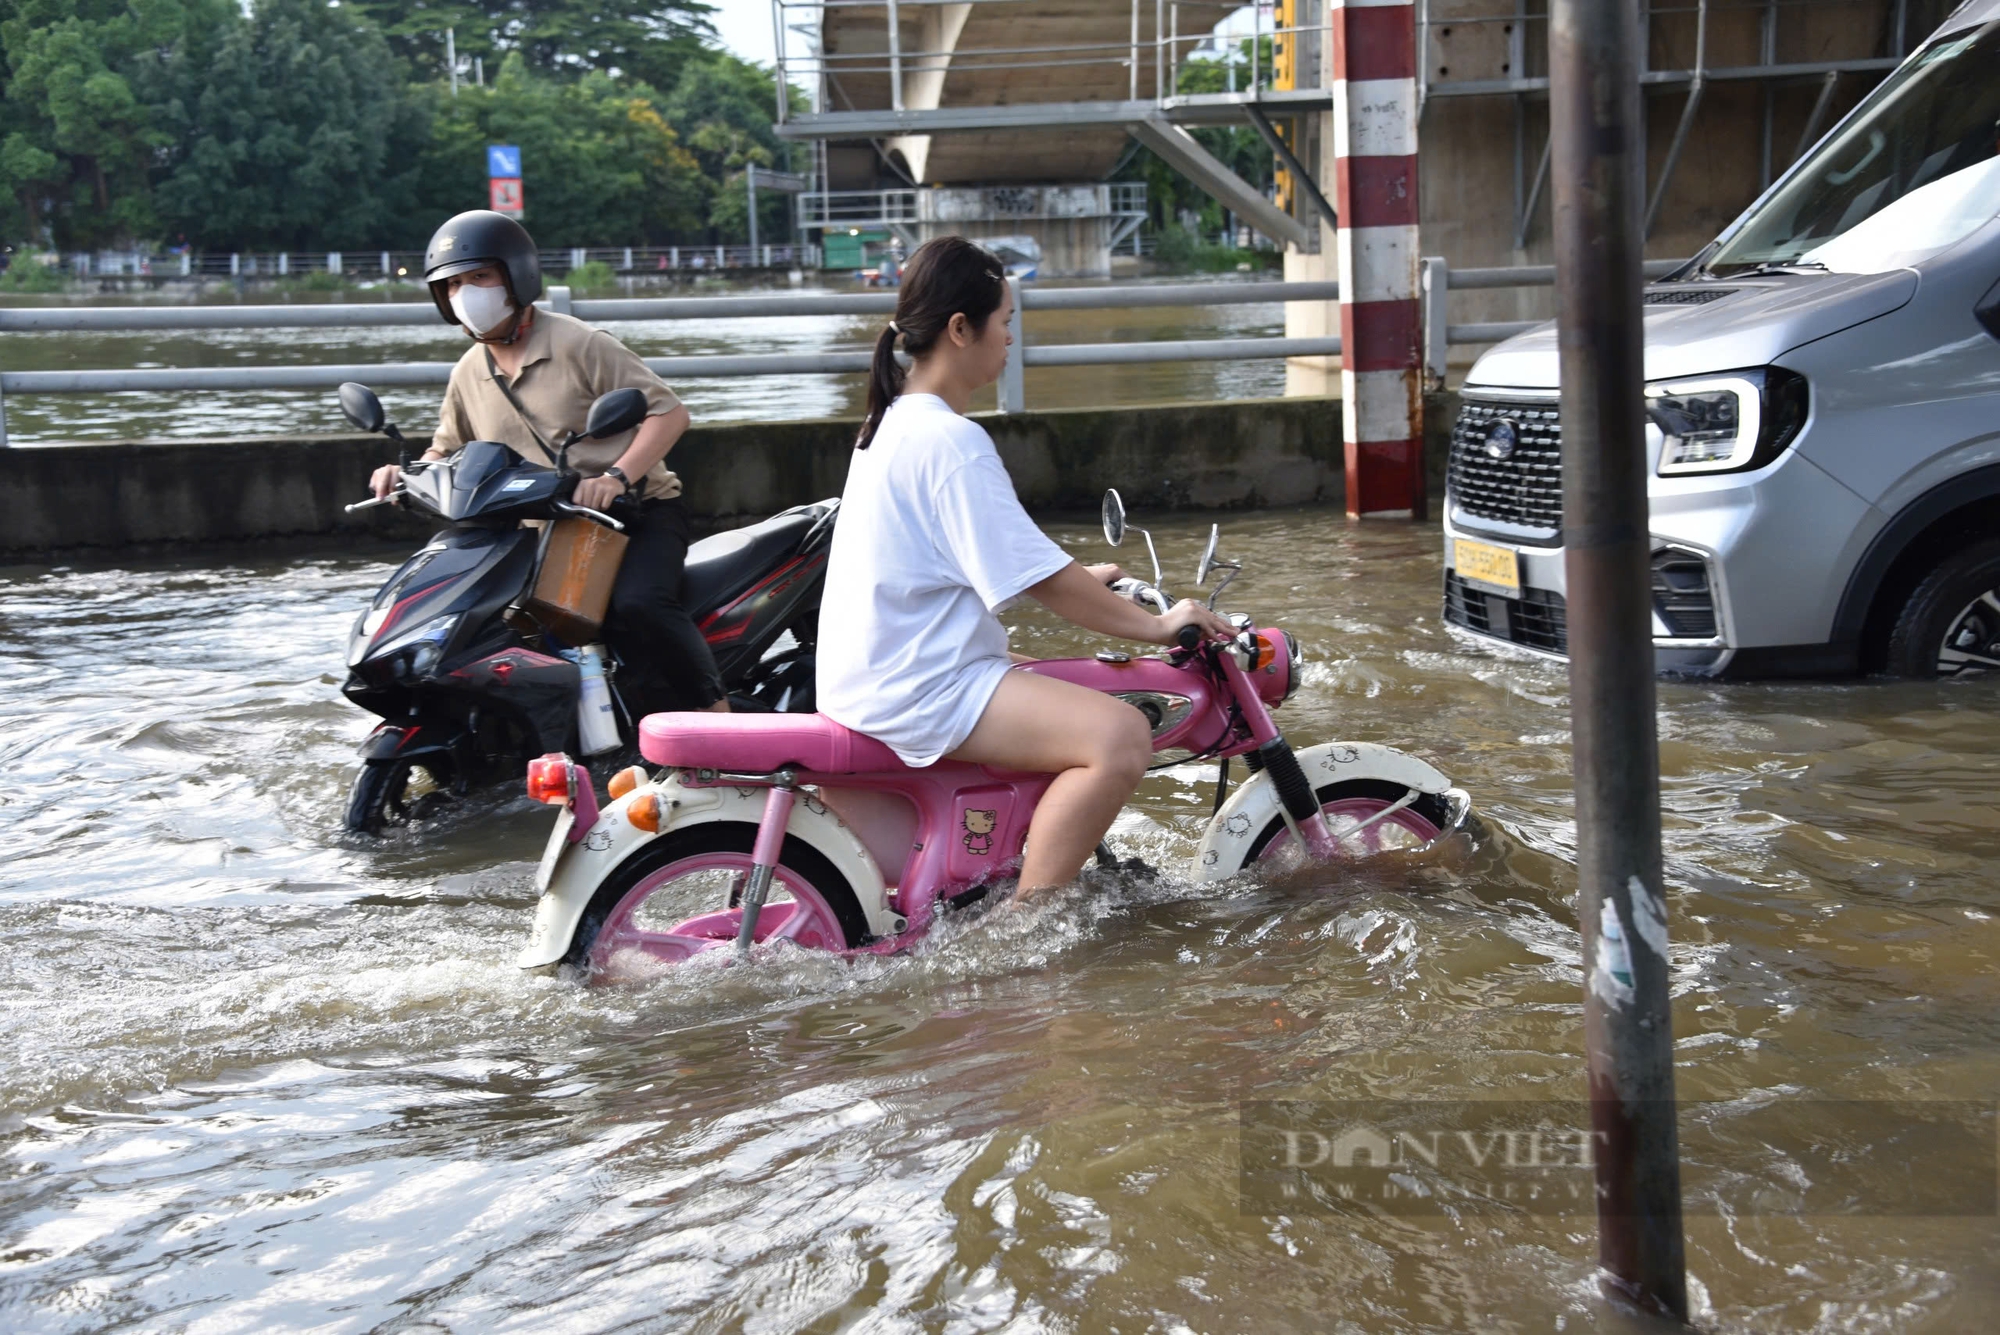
point(760, 743)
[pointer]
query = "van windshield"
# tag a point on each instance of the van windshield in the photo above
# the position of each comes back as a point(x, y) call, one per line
point(1912, 172)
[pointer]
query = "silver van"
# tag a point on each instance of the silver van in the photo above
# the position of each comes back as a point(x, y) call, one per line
point(1823, 389)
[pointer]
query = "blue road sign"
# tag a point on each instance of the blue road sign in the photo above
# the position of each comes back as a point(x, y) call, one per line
point(503, 160)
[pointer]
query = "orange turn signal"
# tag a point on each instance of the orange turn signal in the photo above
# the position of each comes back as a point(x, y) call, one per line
point(625, 780)
point(1266, 653)
point(644, 813)
point(548, 778)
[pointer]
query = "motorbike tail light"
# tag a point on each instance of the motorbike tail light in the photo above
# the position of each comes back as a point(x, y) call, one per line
point(548, 778)
point(625, 780)
point(644, 813)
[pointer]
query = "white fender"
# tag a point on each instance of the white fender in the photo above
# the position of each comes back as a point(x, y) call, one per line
point(1225, 844)
point(575, 870)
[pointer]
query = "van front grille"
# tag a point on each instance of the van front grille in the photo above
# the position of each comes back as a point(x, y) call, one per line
point(1519, 485)
point(1537, 619)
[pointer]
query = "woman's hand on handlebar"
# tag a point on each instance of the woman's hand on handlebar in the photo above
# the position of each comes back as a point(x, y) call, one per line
point(1188, 612)
point(384, 480)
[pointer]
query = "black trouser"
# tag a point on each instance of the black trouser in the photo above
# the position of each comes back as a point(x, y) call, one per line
point(665, 662)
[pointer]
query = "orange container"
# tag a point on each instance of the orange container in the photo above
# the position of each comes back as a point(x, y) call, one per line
point(579, 563)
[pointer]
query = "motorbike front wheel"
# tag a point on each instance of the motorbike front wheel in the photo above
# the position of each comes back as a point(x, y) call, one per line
point(679, 896)
point(1353, 812)
point(393, 792)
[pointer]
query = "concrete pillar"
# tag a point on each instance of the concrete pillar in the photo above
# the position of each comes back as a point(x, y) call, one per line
point(1381, 326)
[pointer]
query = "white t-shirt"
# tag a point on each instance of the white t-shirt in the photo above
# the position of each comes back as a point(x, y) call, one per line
point(930, 543)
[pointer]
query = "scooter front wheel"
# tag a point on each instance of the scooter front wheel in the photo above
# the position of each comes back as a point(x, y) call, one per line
point(679, 896)
point(392, 792)
point(1353, 811)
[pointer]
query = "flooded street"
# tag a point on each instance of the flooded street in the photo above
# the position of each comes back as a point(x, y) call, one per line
point(34, 419)
point(258, 1075)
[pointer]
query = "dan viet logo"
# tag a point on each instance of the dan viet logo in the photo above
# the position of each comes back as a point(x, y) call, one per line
point(1892, 1157)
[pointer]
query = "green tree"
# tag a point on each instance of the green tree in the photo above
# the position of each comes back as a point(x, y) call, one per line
point(723, 108)
point(76, 140)
point(648, 42)
point(292, 131)
point(600, 164)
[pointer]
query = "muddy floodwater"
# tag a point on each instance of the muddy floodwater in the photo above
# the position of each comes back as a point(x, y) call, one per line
point(258, 1076)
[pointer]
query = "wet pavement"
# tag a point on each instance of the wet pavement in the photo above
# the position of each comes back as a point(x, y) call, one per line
point(257, 1075)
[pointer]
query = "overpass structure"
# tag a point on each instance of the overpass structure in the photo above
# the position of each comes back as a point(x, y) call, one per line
point(1351, 95)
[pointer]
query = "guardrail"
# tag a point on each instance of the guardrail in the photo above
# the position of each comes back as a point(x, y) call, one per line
point(1439, 282)
point(634, 260)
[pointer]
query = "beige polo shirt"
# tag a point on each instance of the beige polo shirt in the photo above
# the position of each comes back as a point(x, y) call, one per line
point(566, 365)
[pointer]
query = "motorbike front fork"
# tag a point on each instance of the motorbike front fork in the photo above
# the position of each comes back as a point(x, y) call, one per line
point(764, 856)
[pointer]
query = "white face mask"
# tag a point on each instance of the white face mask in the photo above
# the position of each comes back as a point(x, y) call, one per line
point(481, 309)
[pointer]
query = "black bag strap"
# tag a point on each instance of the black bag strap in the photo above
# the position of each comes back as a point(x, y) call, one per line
point(493, 369)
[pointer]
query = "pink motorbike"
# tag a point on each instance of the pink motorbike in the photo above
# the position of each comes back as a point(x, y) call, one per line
point(790, 828)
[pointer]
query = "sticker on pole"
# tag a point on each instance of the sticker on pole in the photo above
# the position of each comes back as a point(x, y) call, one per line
point(505, 195)
point(504, 160)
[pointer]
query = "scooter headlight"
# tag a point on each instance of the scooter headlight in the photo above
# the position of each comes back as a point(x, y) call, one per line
point(422, 646)
point(1725, 424)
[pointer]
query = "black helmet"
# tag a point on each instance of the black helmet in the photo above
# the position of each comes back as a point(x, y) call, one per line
point(476, 238)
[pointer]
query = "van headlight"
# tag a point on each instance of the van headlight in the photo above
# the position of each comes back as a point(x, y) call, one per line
point(1726, 423)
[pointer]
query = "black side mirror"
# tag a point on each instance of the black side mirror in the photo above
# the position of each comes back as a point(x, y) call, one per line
point(360, 406)
point(615, 413)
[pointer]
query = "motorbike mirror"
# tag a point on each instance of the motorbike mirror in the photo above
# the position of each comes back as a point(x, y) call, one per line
point(1207, 565)
point(615, 413)
point(360, 406)
point(1114, 518)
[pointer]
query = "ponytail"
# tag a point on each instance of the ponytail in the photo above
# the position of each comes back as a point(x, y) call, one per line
point(885, 382)
point(946, 276)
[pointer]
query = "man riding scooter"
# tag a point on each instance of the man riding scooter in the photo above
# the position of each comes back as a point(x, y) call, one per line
point(527, 381)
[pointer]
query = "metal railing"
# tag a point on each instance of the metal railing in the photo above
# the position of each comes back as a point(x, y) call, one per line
point(1439, 282)
point(409, 264)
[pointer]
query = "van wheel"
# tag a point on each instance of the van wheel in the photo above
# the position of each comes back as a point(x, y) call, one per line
point(1950, 626)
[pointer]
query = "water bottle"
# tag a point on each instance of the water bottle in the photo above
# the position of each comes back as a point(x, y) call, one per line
point(596, 720)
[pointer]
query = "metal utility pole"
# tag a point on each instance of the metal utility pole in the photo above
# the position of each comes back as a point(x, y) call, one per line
point(451, 58)
point(750, 177)
point(1598, 157)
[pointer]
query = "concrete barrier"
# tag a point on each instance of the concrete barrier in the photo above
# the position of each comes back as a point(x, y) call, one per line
point(141, 495)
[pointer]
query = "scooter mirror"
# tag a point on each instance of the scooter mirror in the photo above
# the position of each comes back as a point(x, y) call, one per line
point(1207, 565)
point(615, 413)
point(359, 405)
point(1114, 518)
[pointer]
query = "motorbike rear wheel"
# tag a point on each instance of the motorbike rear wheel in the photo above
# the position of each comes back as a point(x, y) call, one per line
point(678, 897)
point(1348, 808)
point(393, 792)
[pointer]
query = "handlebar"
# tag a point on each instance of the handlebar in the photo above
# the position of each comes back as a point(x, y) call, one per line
point(1142, 593)
point(572, 508)
point(372, 502)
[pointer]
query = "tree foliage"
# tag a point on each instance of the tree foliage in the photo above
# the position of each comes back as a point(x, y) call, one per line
point(307, 124)
point(293, 132)
point(600, 165)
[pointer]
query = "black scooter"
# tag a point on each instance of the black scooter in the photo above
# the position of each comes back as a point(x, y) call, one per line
point(468, 694)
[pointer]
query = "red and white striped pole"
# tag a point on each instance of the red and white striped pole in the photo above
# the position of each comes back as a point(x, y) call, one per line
point(1381, 318)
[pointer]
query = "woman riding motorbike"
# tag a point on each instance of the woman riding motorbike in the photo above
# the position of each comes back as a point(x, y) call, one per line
point(933, 543)
point(529, 378)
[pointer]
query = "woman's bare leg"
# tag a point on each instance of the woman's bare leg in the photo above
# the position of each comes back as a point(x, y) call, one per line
point(1096, 746)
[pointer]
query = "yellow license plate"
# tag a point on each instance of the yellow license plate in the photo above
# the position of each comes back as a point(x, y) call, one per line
point(1490, 567)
